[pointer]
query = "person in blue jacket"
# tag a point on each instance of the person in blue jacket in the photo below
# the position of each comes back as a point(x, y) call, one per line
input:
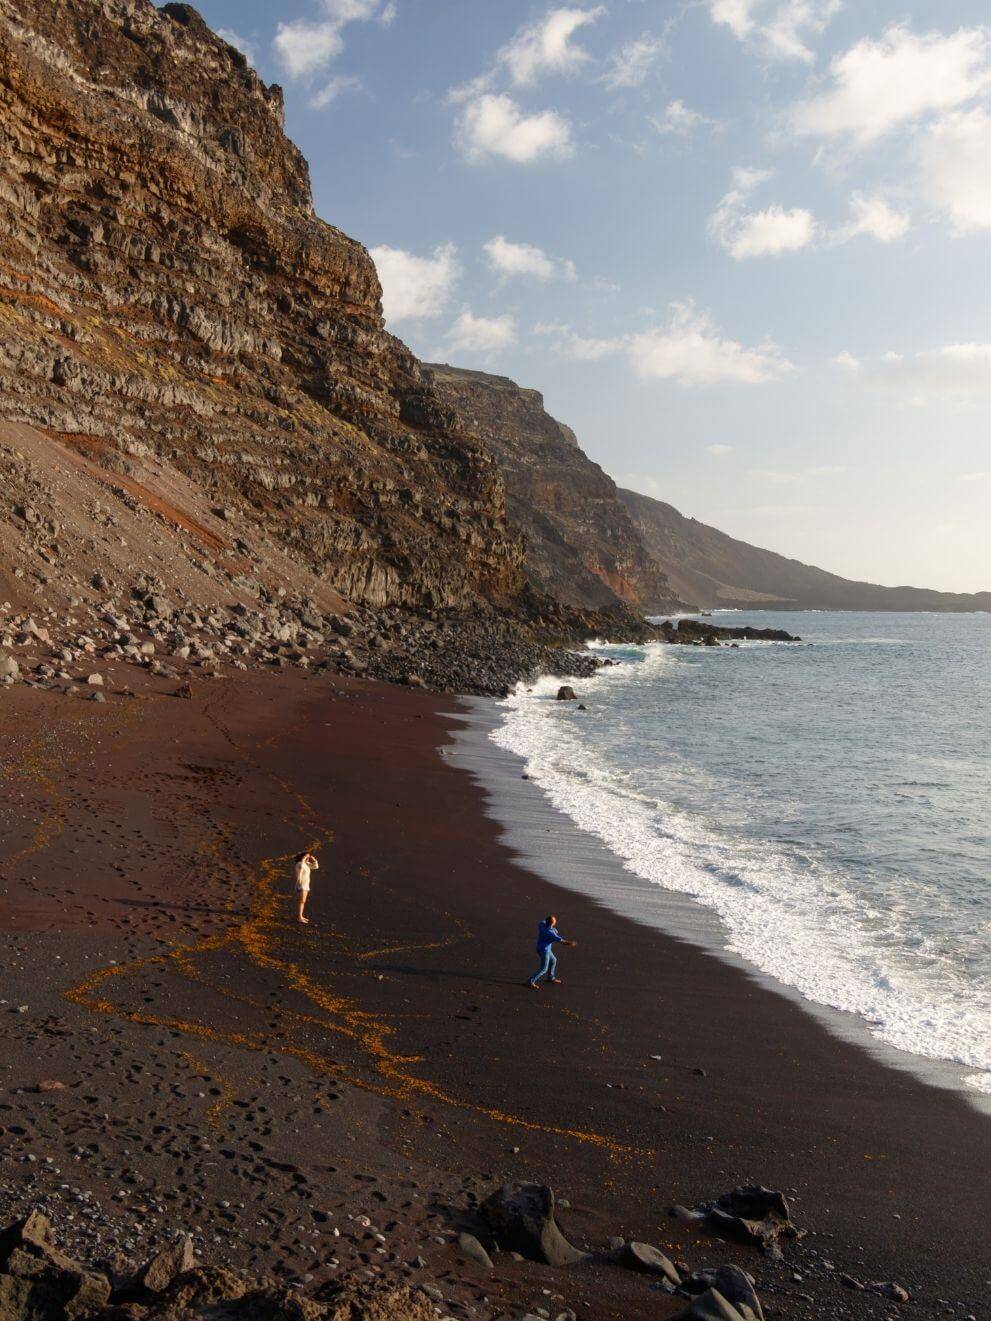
point(547, 937)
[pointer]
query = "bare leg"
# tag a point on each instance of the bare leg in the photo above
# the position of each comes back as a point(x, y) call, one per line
point(302, 896)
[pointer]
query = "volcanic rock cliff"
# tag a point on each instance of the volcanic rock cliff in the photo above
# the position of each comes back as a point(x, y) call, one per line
point(168, 297)
point(581, 544)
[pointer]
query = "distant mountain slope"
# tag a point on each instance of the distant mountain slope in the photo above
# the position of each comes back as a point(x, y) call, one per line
point(711, 569)
point(581, 546)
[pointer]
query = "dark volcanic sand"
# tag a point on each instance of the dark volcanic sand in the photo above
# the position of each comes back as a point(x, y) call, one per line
point(259, 1083)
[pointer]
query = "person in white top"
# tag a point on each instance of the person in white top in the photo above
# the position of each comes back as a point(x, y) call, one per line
point(305, 863)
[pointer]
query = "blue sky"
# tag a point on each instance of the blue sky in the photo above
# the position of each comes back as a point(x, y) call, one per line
point(742, 246)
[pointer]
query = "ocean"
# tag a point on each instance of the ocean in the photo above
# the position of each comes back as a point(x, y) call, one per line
point(829, 802)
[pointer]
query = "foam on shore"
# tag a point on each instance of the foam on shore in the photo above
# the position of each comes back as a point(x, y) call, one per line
point(794, 918)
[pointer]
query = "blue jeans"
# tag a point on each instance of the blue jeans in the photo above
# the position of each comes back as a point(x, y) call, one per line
point(548, 968)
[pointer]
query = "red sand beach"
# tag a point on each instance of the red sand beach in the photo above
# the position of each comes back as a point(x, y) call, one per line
point(265, 1084)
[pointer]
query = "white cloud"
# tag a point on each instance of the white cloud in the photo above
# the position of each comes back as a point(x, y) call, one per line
point(779, 28)
point(846, 361)
point(415, 287)
point(630, 66)
point(480, 334)
point(305, 46)
point(678, 119)
point(332, 90)
point(766, 233)
point(785, 33)
point(690, 351)
point(975, 476)
point(719, 450)
point(546, 47)
point(737, 15)
point(687, 349)
point(878, 86)
point(872, 215)
point(246, 47)
point(955, 369)
point(493, 125)
point(580, 348)
point(509, 259)
point(955, 162)
point(770, 232)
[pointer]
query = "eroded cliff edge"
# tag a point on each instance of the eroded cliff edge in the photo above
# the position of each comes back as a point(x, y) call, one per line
point(166, 289)
point(581, 544)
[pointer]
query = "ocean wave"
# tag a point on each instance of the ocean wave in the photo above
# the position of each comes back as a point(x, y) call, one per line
point(789, 915)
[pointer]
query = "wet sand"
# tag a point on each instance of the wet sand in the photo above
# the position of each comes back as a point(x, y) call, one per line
point(261, 1083)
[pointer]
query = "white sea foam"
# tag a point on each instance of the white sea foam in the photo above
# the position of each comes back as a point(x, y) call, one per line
point(790, 916)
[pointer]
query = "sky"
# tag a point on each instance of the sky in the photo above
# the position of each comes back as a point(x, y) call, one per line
point(743, 247)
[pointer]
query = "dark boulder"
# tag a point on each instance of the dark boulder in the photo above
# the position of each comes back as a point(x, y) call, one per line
point(753, 1214)
point(886, 1289)
point(735, 1285)
point(565, 694)
point(470, 1247)
point(166, 1266)
point(37, 1280)
point(712, 1306)
point(521, 1217)
point(643, 1257)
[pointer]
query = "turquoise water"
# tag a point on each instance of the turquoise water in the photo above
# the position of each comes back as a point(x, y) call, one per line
point(830, 802)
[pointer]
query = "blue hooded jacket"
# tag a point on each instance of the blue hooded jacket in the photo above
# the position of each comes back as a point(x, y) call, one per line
point(546, 936)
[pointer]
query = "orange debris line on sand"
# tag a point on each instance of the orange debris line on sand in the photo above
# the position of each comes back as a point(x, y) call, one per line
point(255, 938)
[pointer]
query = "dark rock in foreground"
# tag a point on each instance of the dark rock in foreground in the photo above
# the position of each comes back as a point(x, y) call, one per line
point(752, 1214)
point(38, 1282)
point(521, 1216)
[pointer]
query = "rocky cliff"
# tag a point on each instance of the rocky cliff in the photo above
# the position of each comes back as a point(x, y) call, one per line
point(581, 545)
point(167, 296)
point(711, 569)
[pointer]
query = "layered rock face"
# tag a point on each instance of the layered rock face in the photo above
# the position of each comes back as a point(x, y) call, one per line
point(712, 569)
point(167, 292)
point(581, 544)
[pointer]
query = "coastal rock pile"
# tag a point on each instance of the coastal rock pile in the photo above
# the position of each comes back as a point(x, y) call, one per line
point(695, 632)
point(175, 639)
point(39, 1282)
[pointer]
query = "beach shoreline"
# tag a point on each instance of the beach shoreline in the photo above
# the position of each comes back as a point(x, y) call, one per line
point(589, 867)
point(388, 1061)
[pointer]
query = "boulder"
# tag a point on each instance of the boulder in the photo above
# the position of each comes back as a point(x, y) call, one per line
point(735, 1285)
point(643, 1257)
point(886, 1289)
point(521, 1216)
point(469, 1246)
point(710, 1306)
point(38, 1280)
point(566, 694)
point(752, 1214)
point(166, 1266)
point(9, 668)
